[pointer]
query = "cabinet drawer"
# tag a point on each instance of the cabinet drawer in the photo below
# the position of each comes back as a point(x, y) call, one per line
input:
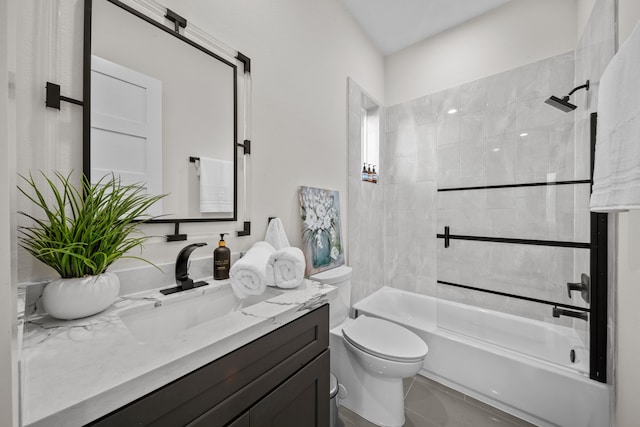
point(279, 354)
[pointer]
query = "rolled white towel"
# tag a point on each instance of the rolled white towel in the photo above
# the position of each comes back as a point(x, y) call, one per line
point(248, 274)
point(285, 268)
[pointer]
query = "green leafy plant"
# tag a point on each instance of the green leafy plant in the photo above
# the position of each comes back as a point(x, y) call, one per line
point(85, 229)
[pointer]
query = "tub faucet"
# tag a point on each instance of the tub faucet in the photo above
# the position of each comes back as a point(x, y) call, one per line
point(557, 312)
point(183, 281)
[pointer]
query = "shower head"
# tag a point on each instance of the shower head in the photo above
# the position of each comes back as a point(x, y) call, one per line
point(563, 103)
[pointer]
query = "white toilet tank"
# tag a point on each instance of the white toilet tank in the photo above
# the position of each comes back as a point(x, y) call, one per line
point(339, 277)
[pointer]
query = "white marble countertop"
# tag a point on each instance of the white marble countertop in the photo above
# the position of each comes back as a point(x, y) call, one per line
point(76, 371)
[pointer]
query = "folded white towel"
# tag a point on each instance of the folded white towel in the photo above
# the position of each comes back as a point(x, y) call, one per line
point(616, 175)
point(216, 185)
point(285, 268)
point(248, 274)
point(276, 235)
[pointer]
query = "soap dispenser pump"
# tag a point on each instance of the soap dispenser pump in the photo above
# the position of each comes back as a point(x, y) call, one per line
point(221, 260)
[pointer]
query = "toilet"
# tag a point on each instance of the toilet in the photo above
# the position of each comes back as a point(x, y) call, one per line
point(369, 356)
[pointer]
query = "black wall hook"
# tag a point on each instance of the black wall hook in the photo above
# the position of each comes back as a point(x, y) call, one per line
point(246, 146)
point(53, 97)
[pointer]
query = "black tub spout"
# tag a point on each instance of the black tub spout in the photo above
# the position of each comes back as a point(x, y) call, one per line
point(557, 312)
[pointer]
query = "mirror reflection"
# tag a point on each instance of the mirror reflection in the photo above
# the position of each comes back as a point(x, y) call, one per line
point(163, 112)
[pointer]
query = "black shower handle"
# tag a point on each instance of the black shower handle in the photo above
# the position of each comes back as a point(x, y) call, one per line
point(573, 287)
point(584, 286)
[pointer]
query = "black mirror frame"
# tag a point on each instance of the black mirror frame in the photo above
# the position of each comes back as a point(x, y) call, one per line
point(86, 128)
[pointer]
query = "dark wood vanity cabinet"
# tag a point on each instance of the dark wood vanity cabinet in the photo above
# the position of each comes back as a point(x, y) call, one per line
point(302, 401)
point(278, 380)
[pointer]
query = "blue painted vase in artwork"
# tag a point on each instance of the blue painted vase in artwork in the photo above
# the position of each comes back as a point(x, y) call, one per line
point(321, 250)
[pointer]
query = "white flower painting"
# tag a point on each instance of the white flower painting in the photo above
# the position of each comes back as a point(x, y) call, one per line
point(320, 213)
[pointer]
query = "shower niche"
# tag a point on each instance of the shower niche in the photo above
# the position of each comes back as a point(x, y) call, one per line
point(370, 121)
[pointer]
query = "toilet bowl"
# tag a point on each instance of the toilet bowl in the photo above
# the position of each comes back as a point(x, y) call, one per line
point(370, 356)
point(370, 366)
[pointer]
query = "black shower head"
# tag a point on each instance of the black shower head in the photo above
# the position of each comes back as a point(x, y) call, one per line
point(561, 104)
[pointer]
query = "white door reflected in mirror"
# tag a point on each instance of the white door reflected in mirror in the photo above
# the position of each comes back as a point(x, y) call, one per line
point(126, 117)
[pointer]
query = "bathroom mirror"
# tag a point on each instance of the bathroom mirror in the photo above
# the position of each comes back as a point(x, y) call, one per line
point(156, 102)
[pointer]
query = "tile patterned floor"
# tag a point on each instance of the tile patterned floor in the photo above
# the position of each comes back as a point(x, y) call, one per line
point(430, 404)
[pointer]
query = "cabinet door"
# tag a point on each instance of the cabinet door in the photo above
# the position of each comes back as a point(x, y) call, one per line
point(301, 401)
point(243, 421)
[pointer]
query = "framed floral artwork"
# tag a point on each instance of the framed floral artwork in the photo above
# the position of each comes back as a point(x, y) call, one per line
point(321, 234)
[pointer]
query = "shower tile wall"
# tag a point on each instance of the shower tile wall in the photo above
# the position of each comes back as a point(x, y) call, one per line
point(366, 208)
point(423, 148)
point(502, 133)
point(410, 193)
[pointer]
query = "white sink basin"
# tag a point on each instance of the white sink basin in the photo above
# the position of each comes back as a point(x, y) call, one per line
point(178, 312)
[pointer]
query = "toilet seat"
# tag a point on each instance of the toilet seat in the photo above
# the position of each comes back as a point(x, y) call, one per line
point(385, 339)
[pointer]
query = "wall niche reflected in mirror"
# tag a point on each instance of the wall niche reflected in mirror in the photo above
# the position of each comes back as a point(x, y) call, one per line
point(160, 102)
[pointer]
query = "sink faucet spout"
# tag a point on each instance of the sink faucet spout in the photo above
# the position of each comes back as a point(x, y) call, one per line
point(183, 281)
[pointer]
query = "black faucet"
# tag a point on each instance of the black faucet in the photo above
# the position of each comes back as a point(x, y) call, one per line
point(182, 276)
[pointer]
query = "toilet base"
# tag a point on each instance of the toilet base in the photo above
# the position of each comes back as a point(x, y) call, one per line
point(378, 399)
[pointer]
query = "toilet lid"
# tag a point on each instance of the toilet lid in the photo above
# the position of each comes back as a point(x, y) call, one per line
point(385, 339)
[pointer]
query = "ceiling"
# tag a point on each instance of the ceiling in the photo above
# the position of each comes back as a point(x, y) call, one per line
point(393, 25)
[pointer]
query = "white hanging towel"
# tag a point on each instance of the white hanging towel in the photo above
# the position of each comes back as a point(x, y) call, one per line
point(248, 274)
point(616, 177)
point(216, 185)
point(276, 235)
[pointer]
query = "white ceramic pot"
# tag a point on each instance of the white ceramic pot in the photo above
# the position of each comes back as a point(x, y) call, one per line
point(75, 298)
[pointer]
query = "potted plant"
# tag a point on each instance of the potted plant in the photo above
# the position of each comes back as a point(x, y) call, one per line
point(83, 231)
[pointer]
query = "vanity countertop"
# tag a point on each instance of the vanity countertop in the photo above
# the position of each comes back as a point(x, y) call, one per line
point(74, 372)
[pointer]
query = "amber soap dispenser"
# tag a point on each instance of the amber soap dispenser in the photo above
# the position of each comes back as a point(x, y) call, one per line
point(221, 260)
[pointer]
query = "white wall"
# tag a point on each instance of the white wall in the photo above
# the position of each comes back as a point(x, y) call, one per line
point(627, 372)
point(628, 248)
point(302, 53)
point(628, 18)
point(518, 33)
point(8, 341)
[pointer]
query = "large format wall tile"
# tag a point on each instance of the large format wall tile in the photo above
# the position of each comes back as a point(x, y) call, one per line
point(501, 133)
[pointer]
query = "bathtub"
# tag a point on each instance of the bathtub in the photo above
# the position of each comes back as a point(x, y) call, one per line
point(518, 365)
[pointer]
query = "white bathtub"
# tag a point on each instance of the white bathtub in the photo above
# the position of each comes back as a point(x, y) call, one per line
point(518, 365)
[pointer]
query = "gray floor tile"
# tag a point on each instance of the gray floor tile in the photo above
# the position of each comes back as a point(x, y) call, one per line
point(435, 405)
point(511, 418)
point(354, 419)
point(406, 385)
point(475, 417)
point(414, 420)
point(430, 404)
point(434, 384)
